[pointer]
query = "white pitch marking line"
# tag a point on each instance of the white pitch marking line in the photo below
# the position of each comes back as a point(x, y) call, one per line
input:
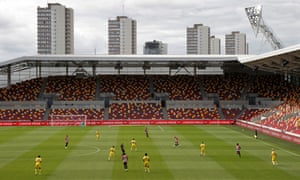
point(292, 153)
point(162, 129)
point(85, 154)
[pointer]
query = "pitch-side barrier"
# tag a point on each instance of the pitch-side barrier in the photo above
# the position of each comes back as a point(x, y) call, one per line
point(278, 133)
point(117, 122)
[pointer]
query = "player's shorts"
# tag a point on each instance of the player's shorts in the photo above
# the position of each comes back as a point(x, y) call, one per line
point(38, 166)
point(146, 164)
point(111, 154)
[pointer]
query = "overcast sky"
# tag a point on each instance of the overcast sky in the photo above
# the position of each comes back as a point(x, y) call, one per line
point(163, 20)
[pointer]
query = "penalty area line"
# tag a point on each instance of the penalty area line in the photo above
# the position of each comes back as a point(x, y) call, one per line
point(276, 146)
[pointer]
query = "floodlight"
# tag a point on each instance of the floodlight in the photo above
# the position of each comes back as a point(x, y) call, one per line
point(254, 15)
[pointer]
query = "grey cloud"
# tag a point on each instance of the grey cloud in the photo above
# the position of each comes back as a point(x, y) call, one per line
point(156, 19)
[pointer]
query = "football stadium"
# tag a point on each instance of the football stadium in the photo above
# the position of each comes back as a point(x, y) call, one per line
point(156, 116)
point(217, 100)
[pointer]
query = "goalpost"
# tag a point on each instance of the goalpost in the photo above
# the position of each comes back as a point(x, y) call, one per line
point(68, 120)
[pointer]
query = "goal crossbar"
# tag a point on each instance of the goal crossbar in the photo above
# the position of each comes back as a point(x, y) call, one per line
point(76, 119)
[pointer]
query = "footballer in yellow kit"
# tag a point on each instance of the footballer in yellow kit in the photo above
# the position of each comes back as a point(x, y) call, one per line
point(274, 157)
point(146, 160)
point(111, 153)
point(202, 149)
point(97, 135)
point(133, 144)
point(38, 167)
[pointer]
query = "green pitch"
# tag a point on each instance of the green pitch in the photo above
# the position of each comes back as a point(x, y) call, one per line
point(87, 158)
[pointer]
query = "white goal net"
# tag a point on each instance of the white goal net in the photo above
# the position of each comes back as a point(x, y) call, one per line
point(76, 120)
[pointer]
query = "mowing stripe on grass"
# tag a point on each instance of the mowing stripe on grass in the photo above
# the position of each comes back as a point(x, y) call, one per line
point(158, 167)
point(277, 147)
point(242, 168)
point(21, 141)
point(262, 148)
point(194, 163)
point(85, 160)
point(34, 143)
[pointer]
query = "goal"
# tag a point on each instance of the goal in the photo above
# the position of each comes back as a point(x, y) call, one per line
point(61, 120)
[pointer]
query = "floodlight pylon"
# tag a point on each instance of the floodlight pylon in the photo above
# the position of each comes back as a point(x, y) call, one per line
point(258, 25)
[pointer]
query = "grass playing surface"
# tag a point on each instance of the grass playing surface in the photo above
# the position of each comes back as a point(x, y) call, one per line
point(87, 158)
